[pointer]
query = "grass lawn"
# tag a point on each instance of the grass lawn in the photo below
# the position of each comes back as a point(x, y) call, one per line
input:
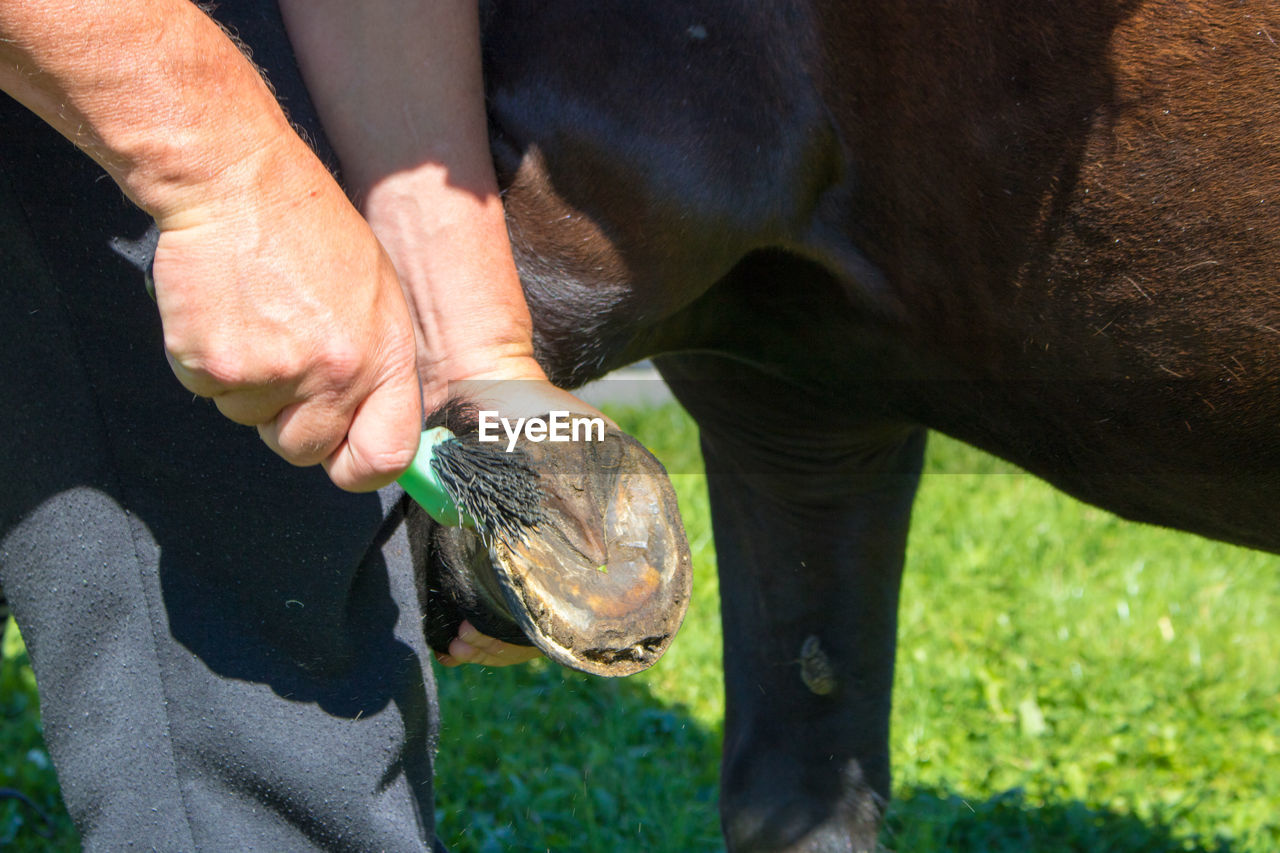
point(1066, 682)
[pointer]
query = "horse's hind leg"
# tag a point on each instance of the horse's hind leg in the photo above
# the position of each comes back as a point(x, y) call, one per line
point(810, 513)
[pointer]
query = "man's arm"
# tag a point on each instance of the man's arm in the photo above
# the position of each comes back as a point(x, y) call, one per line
point(276, 299)
point(398, 86)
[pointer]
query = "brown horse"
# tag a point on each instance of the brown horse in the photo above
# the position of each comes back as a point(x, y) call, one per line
point(1048, 229)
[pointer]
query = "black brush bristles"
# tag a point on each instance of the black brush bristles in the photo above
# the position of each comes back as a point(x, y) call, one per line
point(498, 490)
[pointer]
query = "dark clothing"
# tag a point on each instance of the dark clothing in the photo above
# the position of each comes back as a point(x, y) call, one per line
point(228, 649)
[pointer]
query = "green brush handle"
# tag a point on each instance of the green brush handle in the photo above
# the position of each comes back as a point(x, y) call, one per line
point(422, 484)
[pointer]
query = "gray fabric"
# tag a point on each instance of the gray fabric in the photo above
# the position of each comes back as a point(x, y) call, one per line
point(228, 649)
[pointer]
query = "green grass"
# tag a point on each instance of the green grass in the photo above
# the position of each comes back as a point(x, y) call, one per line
point(1080, 682)
point(43, 823)
point(1066, 682)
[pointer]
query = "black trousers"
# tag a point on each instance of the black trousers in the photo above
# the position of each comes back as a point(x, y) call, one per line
point(228, 649)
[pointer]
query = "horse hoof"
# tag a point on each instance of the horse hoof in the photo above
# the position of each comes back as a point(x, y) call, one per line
point(600, 585)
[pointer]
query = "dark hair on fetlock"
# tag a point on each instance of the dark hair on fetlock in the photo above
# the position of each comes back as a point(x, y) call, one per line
point(459, 415)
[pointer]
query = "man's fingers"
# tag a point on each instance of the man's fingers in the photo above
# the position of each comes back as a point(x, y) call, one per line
point(307, 433)
point(364, 444)
point(382, 437)
point(364, 440)
point(470, 646)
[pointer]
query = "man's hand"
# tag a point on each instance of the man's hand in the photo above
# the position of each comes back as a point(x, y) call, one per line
point(281, 305)
point(470, 646)
point(398, 87)
point(276, 299)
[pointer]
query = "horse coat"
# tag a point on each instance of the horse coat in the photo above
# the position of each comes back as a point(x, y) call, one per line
point(1049, 230)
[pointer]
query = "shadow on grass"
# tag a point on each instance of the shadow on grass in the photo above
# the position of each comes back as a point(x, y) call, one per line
point(538, 758)
point(534, 758)
point(936, 820)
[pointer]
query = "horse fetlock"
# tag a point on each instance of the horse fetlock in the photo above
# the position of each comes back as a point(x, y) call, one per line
point(840, 815)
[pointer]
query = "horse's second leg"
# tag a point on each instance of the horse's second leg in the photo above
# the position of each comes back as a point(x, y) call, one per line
point(810, 513)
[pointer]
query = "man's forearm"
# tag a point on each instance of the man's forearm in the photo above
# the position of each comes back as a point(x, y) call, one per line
point(152, 90)
point(398, 87)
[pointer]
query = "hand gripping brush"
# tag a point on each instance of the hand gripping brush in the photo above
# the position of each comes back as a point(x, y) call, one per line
point(589, 563)
point(457, 480)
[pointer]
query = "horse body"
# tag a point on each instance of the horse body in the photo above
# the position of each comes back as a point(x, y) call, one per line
point(1046, 229)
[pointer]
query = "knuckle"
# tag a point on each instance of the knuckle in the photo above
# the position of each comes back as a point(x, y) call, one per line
point(338, 366)
point(237, 408)
point(228, 362)
point(207, 370)
point(303, 454)
point(306, 434)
